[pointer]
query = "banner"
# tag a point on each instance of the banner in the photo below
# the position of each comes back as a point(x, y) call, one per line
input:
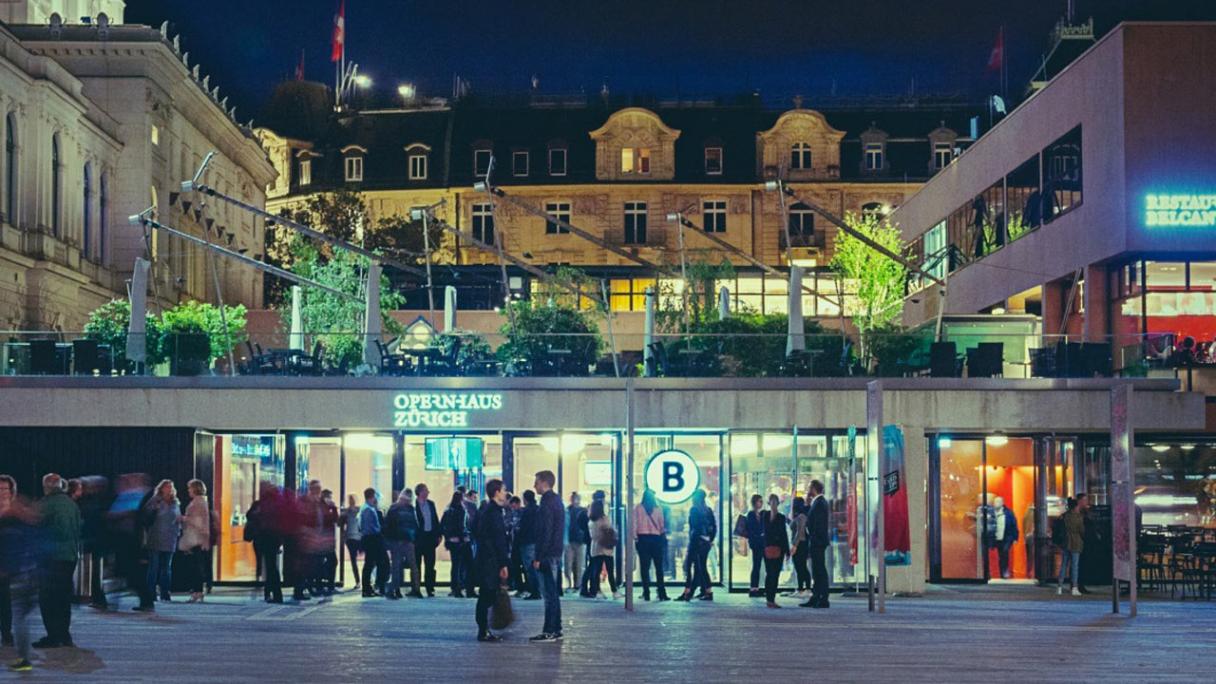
point(898, 538)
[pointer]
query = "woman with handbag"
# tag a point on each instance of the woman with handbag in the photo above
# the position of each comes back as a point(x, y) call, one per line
point(195, 541)
point(603, 547)
point(776, 548)
point(800, 550)
point(650, 533)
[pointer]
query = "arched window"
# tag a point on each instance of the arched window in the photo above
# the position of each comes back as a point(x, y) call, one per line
point(103, 209)
point(87, 227)
point(56, 186)
point(10, 169)
point(800, 156)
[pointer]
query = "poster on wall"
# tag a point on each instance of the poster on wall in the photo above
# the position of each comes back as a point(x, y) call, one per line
point(898, 539)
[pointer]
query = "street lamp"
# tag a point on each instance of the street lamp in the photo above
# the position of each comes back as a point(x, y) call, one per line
point(363, 81)
point(406, 91)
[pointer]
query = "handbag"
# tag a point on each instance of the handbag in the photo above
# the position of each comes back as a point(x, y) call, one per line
point(772, 552)
point(741, 526)
point(501, 613)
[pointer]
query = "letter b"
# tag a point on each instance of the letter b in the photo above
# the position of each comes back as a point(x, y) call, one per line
point(673, 477)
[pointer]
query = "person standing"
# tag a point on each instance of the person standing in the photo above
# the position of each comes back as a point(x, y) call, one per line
point(262, 527)
point(352, 539)
point(585, 587)
point(428, 535)
point(468, 574)
point(799, 552)
point(1005, 533)
point(702, 530)
point(454, 541)
point(60, 521)
point(776, 548)
point(817, 541)
point(374, 557)
point(165, 513)
point(493, 556)
point(576, 543)
point(603, 548)
point(93, 504)
point(525, 537)
point(550, 524)
point(8, 515)
point(195, 542)
point(327, 554)
point(1074, 544)
point(400, 533)
point(18, 571)
point(755, 543)
point(650, 535)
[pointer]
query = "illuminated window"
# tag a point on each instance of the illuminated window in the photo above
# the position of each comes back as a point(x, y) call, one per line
point(483, 222)
point(557, 161)
point(874, 156)
point(481, 162)
point(714, 212)
point(635, 223)
point(418, 164)
point(519, 163)
point(713, 161)
point(943, 153)
point(635, 160)
point(354, 169)
point(800, 156)
point(559, 211)
point(305, 172)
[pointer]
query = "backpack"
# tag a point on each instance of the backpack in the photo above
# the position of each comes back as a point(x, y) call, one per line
point(1059, 532)
point(252, 523)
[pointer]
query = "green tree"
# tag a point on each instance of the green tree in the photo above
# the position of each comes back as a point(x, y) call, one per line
point(340, 214)
point(878, 278)
point(199, 318)
point(535, 328)
point(108, 325)
point(402, 238)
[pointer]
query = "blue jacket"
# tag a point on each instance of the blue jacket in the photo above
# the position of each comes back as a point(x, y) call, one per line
point(369, 521)
point(1011, 526)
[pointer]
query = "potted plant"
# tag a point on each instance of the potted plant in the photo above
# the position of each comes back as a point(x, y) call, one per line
point(108, 324)
point(194, 334)
point(552, 339)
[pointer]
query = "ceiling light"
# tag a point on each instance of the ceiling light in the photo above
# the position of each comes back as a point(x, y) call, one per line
point(997, 440)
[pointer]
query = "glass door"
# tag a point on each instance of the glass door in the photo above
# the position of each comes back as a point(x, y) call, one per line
point(241, 463)
point(962, 511)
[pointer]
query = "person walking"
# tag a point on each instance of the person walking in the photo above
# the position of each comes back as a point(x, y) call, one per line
point(525, 537)
point(585, 587)
point(327, 554)
point(603, 549)
point(702, 530)
point(400, 533)
point(1073, 544)
point(755, 526)
point(374, 557)
point(195, 541)
point(94, 542)
point(352, 539)
point(576, 543)
point(19, 543)
point(650, 538)
point(262, 527)
point(799, 552)
point(454, 541)
point(776, 548)
point(493, 556)
point(428, 535)
point(817, 541)
point(468, 573)
point(164, 513)
point(60, 525)
point(550, 524)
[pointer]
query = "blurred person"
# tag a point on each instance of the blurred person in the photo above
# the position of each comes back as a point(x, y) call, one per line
point(19, 544)
point(818, 538)
point(374, 556)
point(515, 572)
point(576, 543)
point(262, 527)
point(75, 489)
point(603, 549)
point(455, 541)
point(94, 539)
point(776, 548)
point(327, 554)
point(702, 530)
point(400, 533)
point(584, 588)
point(352, 539)
point(294, 517)
point(164, 513)
point(195, 542)
point(799, 552)
point(125, 526)
point(525, 537)
point(428, 535)
point(650, 537)
point(547, 561)
point(312, 535)
point(755, 543)
point(493, 557)
point(59, 519)
point(468, 578)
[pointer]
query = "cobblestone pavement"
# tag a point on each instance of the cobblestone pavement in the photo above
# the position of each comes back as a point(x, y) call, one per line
point(1026, 635)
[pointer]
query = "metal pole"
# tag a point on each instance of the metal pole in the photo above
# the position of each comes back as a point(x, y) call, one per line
point(616, 360)
point(874, 452)
point(426, 247)
point(683, 276)
point(629, 456)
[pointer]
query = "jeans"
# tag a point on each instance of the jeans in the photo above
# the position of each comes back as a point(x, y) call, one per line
point(55, 599)
point(22, 591)
point(353, 546)
point(1070, 559)
point(424, 553)
point(550, 588)
point(651, 549)
point(757, 563)
point(489, 582)
point(402, 553)
point(160, 573)
point(374, 558)
point(698, 556)
point(528, 554)
point(772, 575)
point(327, 570)
point(572, 564)
point(801, 554)
point(6, 608)
point(1002, 554)
point(457, 551)
point(598, 564)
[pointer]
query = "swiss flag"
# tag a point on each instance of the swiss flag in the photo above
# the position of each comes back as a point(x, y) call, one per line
point(339, 42)
point(997, 59)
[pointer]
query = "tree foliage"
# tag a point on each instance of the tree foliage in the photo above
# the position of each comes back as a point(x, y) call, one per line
point(108, 324)
point(534, 329)
point(879, 279)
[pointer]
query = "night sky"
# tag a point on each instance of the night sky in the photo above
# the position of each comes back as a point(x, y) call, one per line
point(657, 47)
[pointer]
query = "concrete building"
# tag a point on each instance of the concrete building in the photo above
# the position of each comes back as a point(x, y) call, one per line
point(101, 121)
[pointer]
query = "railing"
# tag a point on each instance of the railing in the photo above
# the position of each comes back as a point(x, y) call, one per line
point(627, 354)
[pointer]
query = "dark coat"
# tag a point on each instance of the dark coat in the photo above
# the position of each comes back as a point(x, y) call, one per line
point(550, 527)
point(493, 551)
point(755, 529)
point(428, 539)
point(525, 531)
point(817, 524)
point(776, 532)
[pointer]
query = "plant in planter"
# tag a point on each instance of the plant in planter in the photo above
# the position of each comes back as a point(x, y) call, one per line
point(194, 335)
point(549, 340)
point(108, 325)
point(468, 351)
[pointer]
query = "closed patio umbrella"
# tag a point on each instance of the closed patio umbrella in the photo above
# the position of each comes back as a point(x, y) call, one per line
point(295, 338)
point(796, 340)
point(137, 327)
point(449, 308)
point(372, 325)
point(648, 334)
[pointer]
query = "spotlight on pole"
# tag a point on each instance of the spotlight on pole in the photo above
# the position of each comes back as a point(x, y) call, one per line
point(406, 91)
point(480, 186)
point(363, 81)
point(673, 217)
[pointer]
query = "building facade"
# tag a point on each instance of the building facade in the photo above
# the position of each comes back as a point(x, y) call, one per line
point(101, 121)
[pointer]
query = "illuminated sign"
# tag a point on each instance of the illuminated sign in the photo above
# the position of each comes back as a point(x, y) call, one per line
point(441, 409)
point(1180, 210)
point(673, 476)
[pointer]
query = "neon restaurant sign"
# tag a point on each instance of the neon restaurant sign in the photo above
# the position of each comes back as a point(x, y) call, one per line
point(441, 409)
point(1194, 211)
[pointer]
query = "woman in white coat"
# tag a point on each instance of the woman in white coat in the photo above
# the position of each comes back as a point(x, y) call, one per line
point(195, 541)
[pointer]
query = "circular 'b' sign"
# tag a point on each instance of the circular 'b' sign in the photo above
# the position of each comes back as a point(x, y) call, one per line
point(673, 476)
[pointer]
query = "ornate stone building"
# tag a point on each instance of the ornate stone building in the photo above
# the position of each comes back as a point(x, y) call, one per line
point(100, 121)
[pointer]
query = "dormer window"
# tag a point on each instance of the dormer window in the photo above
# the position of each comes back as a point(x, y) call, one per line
point(635, 160)
point(352, 163)
point(557, 161)
point(943, 153)
point(713, 160)
point(519, 163)
point(800, 156)
point(305, 177)
point(481, 161)
point(874, 153)
point(418, 158)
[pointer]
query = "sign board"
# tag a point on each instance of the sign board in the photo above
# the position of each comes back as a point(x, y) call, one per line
point(454, 453)
point(897, 538)
point(673, 476)
point(597, 473)
point(1180, 210)
point(441, 409)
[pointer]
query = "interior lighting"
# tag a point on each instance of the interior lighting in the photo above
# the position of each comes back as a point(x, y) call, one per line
point(997, 440)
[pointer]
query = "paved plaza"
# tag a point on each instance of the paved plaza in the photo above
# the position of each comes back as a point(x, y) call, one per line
point(1025, 634)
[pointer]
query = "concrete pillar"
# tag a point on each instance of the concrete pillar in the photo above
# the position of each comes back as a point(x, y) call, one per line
point(1096, 326)
point(910, 579)
point(1054, 294)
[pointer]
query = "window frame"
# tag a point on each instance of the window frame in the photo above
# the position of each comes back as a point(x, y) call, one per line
point(419, 159)
point(482, 213)
point(516, 155)
point(351, 164)
point(565, 154)
point(634, 210)
point(561, 210)
point(874, 150)
point(489, 155)
point(802, 157)
point(719, 208)
point(639, 161)
point(803, 212)
point(938, 148)
point(721, 160)
point(304, 177)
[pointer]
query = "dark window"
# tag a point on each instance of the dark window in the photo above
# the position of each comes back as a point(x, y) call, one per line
point(635, 223)
point(10, 169)
point(557, 161)
point(713, 160)
point(87, 228)
point(56, 186)
point(800, 156)
point(481, 162)
point(1062, 175)
point(714, 212)
point(802, 221)
point(103, 206)
point(559, 211)
point(1024, 199)
point(943, 153)
point(874, 156)
point(483, 222)
point(519, 163)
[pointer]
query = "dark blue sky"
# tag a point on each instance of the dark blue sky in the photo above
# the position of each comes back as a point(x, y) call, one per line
point(663, 47)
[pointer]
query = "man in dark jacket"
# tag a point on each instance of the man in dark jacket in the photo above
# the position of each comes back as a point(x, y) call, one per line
point(550, 529)
point(60, 520)
point(493, 555)
point(817, 540)
point(428, 536)
point(525, 541)
point(264, 528)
